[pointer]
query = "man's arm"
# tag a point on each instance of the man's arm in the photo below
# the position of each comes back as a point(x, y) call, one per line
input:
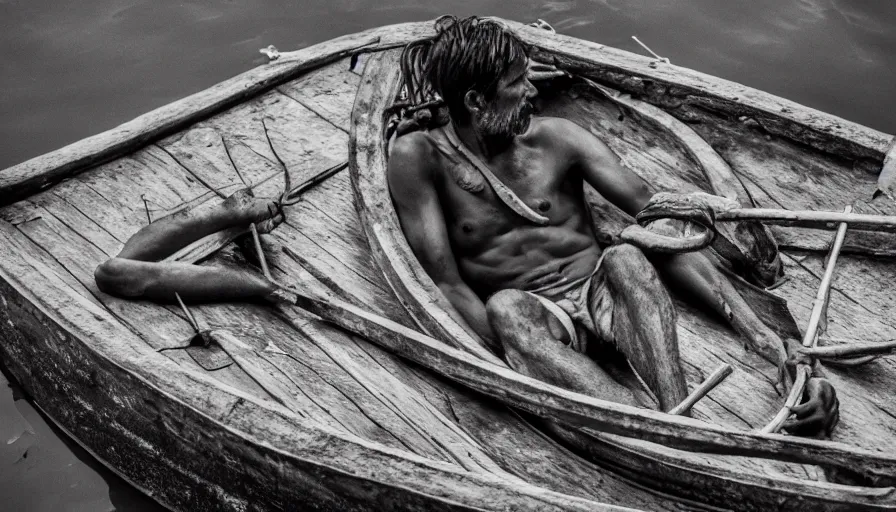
point(420, 212)
point(603, 170)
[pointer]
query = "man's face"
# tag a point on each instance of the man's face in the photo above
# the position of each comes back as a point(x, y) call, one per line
point(509, 113)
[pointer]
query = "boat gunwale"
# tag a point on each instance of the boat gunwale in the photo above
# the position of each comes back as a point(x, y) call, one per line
point(803, 123)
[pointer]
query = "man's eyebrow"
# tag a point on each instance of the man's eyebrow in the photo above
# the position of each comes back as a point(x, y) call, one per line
point(524, 73)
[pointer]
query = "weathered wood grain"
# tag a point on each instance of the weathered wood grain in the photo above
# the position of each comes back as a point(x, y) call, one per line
point(328, 91)
point(166, 412)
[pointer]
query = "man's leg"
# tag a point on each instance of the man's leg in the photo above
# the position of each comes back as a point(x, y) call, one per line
point(695, 274)
point(532, 339)
point(643, 321)
point(135, 273)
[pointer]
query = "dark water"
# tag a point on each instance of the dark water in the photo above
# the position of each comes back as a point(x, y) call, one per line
point(73, 69)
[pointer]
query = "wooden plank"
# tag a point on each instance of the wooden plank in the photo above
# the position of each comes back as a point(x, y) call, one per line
point(36, 251)
point(329, 91)
point(357, 409)
point(441, 440)
point(516, 445)
point(157, 326)
point(306, 142)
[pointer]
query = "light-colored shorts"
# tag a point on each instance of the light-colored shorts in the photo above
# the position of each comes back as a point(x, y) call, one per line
point(572, 303)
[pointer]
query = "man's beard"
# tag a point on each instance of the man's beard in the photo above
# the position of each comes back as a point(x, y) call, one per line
point(504, 126)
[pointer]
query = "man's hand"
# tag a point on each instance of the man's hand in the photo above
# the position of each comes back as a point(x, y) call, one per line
point(818, 414)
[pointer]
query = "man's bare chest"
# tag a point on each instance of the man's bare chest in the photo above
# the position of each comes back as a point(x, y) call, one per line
point(473, 211)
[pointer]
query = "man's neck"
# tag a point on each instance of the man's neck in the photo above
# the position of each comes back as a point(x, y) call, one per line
point(483, 147)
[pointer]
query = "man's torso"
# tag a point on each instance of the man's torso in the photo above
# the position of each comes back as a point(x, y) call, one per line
point(494, 247)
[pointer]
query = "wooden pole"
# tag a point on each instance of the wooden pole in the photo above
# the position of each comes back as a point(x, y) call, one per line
point(259, 252)
point(819, 309)
point(190, 318)
point(708, 385)
point(852, 349)
point(811, 219)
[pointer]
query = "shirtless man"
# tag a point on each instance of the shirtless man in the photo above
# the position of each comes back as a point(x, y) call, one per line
point(509, 270)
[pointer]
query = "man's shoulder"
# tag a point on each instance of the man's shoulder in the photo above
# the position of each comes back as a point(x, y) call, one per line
point(411, 144)
point(559, 133)
point(411, 154)
point(554, 130)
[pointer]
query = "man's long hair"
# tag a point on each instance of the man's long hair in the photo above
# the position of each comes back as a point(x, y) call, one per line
point(467, 54)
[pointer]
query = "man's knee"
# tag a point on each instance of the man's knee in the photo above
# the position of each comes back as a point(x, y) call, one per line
point(118, 277)
point(626, 260)
point(521, 322)
point(504, 306)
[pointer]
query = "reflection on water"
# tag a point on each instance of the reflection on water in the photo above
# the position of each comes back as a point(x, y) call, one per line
point(73, 69)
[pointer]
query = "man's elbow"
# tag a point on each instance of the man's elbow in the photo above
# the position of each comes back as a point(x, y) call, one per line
point(452, 289)
point(640, 197)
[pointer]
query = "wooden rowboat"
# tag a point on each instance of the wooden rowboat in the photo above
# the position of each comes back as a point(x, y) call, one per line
point(685, 131)
point(285, 410)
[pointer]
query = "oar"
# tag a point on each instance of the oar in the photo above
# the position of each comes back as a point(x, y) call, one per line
point(811, 219)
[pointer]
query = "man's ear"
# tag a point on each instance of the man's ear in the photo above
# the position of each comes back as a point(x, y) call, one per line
point(474, 101)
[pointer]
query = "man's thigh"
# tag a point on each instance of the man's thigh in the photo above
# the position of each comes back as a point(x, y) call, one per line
point(524, 324)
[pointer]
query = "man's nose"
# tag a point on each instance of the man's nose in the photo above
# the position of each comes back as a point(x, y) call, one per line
point(531, 90)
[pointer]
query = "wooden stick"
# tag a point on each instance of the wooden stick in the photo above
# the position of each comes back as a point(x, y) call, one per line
point(146, 207)
point(819, 309)
point(190, 317)
point(708, 385)
point(852, 349)
point(802, 375)
point(259, 252)
point(293, 195)
point(822, 298)
point(657, 57)
point(812, 219)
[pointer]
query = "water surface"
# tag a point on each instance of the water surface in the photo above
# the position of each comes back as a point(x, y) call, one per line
point(73, 69)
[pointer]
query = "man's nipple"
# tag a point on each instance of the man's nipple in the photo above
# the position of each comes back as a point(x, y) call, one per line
point(466, 228)
point(544, 206)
